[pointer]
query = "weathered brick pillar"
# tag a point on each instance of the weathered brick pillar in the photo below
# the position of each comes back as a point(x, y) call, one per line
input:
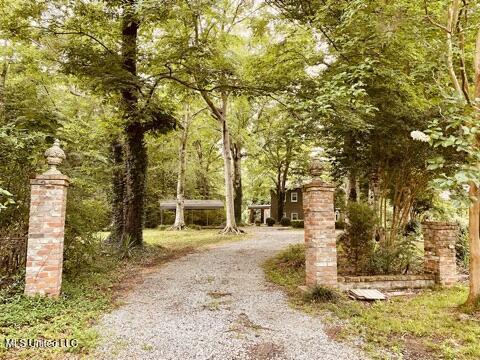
point(439, 244)
point(46, 228)
point(319, 222)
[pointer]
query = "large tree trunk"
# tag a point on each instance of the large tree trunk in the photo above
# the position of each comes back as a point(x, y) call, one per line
point(281, 193)
point(473, 232)
point(182, 165)
point(136, 154)
point(231, 225)
point(352, 187)
point(136, 165)
point(237, 181)
point(474, 211)
point(221, 115)
point(118, 179)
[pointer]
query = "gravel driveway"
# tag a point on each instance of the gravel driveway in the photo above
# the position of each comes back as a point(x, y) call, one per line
point(216, 304)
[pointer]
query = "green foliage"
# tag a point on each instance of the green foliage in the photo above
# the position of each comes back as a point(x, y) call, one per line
point(285, 221)
point(83, 252)
point(270, 221)
point(297, 224)
point(287, 268)
point(321, 294)
point(462, 248)
point(82, 301)
point(403, 257)
point(127, 248)
point(430, 321)
point(292, 258)
point(358, 239)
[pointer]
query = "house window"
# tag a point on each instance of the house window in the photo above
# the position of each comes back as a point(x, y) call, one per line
point(293, 196)
point(294, 216)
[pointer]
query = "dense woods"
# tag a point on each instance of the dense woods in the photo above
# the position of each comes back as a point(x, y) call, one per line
point(229, 99)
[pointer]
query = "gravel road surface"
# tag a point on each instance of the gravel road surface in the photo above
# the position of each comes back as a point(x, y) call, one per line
point(217, 304)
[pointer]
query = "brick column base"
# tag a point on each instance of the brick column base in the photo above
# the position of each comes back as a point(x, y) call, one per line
point(320, 240)
point(439, 243)
point(46, 235)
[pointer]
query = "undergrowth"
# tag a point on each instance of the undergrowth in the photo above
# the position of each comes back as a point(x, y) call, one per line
point(429, 325)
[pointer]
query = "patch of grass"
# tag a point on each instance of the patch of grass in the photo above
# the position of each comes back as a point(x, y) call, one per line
point(287, 268)
point(88, 294)
point(187, 238)
point(321, 294)
point(431, 324)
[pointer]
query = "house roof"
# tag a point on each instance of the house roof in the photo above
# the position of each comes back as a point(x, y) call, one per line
point(192, 204)
point(259, 206)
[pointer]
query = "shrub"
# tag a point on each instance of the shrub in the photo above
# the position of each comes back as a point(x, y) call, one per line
point(358, 239)
point(339, 225)
point(298, 224)
point(462, 248)
point(270, 221)
point(285, 221)
point(292, 258)
point(400, 258)
point(320, 294)
point(258, 222)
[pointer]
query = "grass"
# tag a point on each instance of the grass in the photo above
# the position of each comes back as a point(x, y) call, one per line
point(186, 238)
point(430, 325)
point(86, 296)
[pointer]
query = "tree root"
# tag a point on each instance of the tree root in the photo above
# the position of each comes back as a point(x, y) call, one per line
point(231, 230)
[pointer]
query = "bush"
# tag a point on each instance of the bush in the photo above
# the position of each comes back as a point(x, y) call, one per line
point(285, 221)
point(358, 239)
point(258, 222)
point(298, 224)
point(292, 258)
point(401, 258)
point(320, 294)
point(462, 248)
point(270, 221)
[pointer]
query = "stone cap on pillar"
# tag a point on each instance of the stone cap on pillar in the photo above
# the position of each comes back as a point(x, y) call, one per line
point(54, 156)
point(316, 170)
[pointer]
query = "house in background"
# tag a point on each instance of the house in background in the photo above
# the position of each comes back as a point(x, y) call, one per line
point(293, 208)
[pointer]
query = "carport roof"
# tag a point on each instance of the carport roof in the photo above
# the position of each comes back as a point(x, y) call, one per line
point(192, 204)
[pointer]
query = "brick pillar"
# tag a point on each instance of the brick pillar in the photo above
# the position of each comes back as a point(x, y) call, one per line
point(439, 244)
point(320, 240)
point(46, 228)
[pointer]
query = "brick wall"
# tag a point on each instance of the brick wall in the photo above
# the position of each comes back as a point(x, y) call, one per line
point(439, 243)
point(46, 235)
point(386, 282)
point(320, 239)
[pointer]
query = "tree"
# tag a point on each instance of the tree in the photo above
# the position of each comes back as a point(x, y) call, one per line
point(460, 37)
point(109, 61)
point(185, 125)
point(280, 150)
point(211, 36)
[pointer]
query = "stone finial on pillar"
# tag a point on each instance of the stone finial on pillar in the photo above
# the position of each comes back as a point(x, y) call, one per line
point(440, 255)
point(55, 157)
point(319, 222)
point(46, 227)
